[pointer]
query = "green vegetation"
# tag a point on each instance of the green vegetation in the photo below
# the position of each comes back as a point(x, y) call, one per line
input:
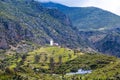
point(51, 63)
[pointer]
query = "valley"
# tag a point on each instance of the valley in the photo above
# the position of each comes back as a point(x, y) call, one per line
point(47, 41)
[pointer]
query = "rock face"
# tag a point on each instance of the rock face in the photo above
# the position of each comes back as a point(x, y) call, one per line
point(11, 33)
point(3, 43)
point(110, 43)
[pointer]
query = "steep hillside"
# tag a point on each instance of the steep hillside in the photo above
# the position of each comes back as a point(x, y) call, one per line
point(32, 22)
point(110, 43)
point(105, 41)
point(88, 18)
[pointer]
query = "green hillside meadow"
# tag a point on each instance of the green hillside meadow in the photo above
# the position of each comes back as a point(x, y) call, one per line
point(52, 63)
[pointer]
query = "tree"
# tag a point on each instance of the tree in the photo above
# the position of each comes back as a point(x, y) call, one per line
point(51, 64)
point(69, 56)
point(60, 59)
point(46, 58)
point(9, 70)
point(37, 58)
point(24, 56)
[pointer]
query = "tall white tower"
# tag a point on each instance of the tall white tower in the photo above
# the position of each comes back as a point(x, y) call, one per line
point(51, 42)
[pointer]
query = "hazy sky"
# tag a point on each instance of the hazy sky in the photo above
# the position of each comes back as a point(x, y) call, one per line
point(110, 5)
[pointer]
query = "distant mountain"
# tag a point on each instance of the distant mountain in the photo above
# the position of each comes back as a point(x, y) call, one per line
point(29, 21)
point(87, 18)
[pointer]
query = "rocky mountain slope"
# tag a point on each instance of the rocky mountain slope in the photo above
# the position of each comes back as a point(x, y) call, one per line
point(28, 20)
point(106, 41)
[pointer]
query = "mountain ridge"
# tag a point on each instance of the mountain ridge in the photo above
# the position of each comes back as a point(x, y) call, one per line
point(94, 17)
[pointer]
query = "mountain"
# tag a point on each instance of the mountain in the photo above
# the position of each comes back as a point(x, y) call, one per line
point(29, 21)
point(88, 18)
point(105, 41)
point(32, 23)
point(110, 43)
point(97, 27)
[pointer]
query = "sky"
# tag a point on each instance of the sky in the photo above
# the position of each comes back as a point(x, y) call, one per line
point(110, 5)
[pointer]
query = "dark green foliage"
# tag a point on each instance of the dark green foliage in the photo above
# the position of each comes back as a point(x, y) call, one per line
point(37, 58)
point(24, 57)
point(60, 59)
point(9, 71)
point(46, 58)
point(88, 61)
point(70, 56)
point(52, 64)
point(18, 77)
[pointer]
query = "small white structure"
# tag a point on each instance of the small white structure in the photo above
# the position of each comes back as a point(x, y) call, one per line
point(51, 42)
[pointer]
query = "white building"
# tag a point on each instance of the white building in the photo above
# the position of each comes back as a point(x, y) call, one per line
point(51, 42)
